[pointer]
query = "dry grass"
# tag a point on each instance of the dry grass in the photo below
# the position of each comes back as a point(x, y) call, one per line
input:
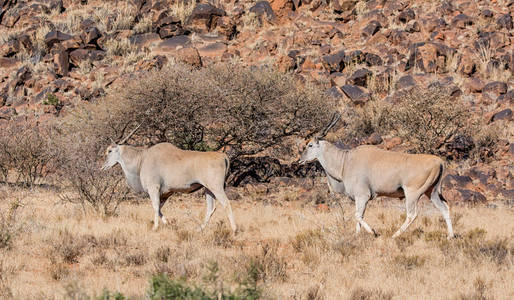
point(289, 249)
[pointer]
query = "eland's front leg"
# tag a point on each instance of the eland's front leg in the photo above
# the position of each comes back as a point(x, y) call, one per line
point(360, 207)
point(156, 204)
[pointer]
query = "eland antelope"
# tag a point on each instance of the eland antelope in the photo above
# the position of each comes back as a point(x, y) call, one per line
point(366, 172)
point(164, 169)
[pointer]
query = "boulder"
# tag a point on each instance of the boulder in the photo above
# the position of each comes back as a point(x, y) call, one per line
point(341, 6)
point(404, 82)
point(90, 35)
point(337, 79)
point(173, 43)
point(213, 50)
point(505, 114)
point(334, 92)
point(359, 77)
point(227, 27)
point(423, 57)
point(356, 94)
point(406, 15)
point(507, 98)
point(204, 17)
point(282, 7)
point(10, 48)
point(61, 61)
point(55, 37)
point(170, 30)
point(468, 196)
point(190, 56)
point(467, 65)
point(7, 62)
point(462, 21)
point(263, 11)
point(476, 85)
point(334, 62)
point(285, 63)
point(371, 28)
point(373, 60)
point(80, 55)
point(505, 22)
point(495, 87)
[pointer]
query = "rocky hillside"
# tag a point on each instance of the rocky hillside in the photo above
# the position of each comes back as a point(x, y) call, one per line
point(57, 53)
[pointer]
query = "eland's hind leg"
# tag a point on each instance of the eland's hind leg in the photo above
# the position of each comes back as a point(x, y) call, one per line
point(411, 207)
point(441, 204)
point(211, 207)
point(220, 195)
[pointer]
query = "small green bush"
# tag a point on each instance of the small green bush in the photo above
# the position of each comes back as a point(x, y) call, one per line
point(164, 288)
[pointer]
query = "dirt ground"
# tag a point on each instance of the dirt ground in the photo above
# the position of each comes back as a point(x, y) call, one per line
point(52, 250)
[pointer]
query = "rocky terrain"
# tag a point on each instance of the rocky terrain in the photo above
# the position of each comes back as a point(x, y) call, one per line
point(57, 53)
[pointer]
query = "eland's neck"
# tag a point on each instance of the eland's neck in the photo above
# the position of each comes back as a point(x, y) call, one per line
point(332, 159)
point(130, 161)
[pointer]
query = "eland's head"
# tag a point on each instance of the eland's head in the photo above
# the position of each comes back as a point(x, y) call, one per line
point(311, 151)
point(113, 152)
point(312, 147)
point(112, 156)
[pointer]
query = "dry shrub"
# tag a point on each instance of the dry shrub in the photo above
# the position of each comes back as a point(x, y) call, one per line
point(67, 248)
point(81, 142)
point(58, 271)
point(184, 235)
point(315, 293)
point(5, 290)
point(137, 258)
point(9, 225)
point(478, 293)
point(474, 245)
point(370, 294)
point(221, 235)
point(308, 238)
point(409, 262)
point(24, 152)
point(270, 266)
point(247, 109)
point(162, 254)
point(427, 119)
point(408, 238)
point(348, 247)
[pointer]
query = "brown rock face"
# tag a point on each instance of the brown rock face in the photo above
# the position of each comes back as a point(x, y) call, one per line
point(495, 87)
point(80, 55)
point(226, 26)
point(61, 61)
point(263, 11)
point(359, 77)
point(505, 22)
point(505, 114)
point(55, 37)
point(356, 94)
point(204, 18)
point(282, 7)
point(476, 85)
point(372, 28)
point(467, 64)
point(285, 63)
point(190, 56)
point(334, 62)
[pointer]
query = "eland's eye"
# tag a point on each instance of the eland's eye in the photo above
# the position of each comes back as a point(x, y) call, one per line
point(310, 145)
